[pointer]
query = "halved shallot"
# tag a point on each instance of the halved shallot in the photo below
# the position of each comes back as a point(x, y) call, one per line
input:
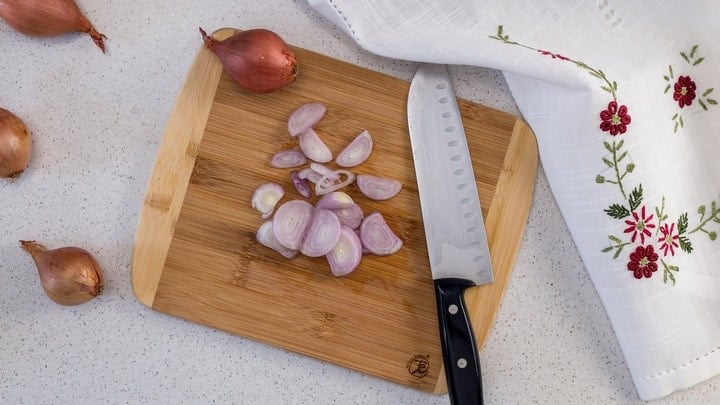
point(377, 188)
point(288, 158)
point(290, 223)
point(322, 233)
point(266, 197)
point(357, 151)
point(313, 147)
point(266, 237)
point(377, 237)
point(345, 256)
point(335, 200)
point(304, 117)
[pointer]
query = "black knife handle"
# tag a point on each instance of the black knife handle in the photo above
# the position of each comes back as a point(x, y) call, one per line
point(462, 367)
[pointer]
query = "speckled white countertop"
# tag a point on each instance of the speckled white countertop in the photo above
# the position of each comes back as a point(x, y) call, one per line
point(97, 121)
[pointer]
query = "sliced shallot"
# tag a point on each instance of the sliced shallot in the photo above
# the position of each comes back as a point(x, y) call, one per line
point(313, 147)
point(266, 237)
point(324, 185)
point(377, 237)
point(335, 200)
point(288, 158)
point(266, 197)
point(322, 170)
point(351, 216)
point(378, 188)
point(301, 184)
point(357, 151)
point(310, 175)
point(345, 256)
point(290, 223)
point(322, 233)
point(304, 117)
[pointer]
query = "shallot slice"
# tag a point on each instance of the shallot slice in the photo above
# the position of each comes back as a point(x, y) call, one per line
point(310, 175)
point(335, 200)
point(377, 237)
point(288, 158)
point(345, 256)
point(324, 186)
point(324, 170)
point(266, 197)
point(357, 151)
point(301, 184)
point(266, 237)
point(313, 147)
point(322, 233)
point(351, 216)
point(304, 117)
point(291, 221)
point(377, 188)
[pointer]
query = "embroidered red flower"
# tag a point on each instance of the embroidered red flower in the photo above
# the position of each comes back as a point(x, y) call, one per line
point(640, 225)
point(684, 91)
point(643, 262)
point(615, 119)
point(669, 239)
point(554, 55)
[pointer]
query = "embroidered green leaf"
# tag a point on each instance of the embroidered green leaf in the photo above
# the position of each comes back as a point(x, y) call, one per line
point(607, 89)
point(666, 77)
point(711, 101)
point(680, 119)
point(608, 162)
point(676, 127)
point(668, 272)
point(620, 144)
point(702, 104)
point(599, 179)
point(608, 147)
point(683, 223)
point(622, 156)
point(684, 56)
point(617, 211)
point(707, 92)
point(701, 210)
point(618, 245)
point(614, 85)
point(667, 88)
point(630, 167)
point(685, 244)
point(636, 197)
point(712, 235)
point(671, 71)
point(698, 61)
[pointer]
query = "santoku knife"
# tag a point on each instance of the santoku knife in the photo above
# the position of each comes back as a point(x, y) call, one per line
point(452, 217)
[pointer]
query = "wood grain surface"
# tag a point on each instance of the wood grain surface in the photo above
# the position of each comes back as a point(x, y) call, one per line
point(195, 254)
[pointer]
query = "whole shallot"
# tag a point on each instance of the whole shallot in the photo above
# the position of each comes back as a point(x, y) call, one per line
point(15, 145)
point(258, 59)
point(69, 275)
point(48, 18)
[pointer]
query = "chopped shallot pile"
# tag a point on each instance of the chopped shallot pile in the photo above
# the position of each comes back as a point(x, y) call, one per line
point(335, 227)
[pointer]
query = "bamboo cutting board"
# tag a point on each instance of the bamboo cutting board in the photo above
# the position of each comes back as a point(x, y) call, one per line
point(195, 254)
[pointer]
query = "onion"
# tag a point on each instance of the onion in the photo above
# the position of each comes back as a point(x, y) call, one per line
point(301, 184)
point(357, 151)
point(258, 59)
point(322, 233)
point(347, 253)
point(15, 144)
point(305, 117)
point(47, 18)
point(323, 170)
point(69, 275)
point(266, 237)
point(335, 200)
point(310, 175)
point(324, 185)
point(377, 188)
point(313, 147)
point(290, 223)
point(288, 158)
point(377, 237)
point(265, 197)
point(350, 217)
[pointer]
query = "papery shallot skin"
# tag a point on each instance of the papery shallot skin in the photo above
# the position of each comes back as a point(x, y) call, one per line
point(258, 59)
point(48, 18)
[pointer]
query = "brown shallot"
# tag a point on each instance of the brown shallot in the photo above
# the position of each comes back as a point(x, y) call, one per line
point(48, 18)
point(259, 60)
point(69, 275)
point(15, 145)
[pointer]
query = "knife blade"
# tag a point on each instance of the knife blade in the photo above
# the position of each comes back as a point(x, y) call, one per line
point(452, 217)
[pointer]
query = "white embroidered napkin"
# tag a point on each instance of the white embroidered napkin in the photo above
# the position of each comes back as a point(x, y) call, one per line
point(621, 98)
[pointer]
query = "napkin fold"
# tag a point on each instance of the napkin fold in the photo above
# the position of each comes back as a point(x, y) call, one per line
point(621, 98)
